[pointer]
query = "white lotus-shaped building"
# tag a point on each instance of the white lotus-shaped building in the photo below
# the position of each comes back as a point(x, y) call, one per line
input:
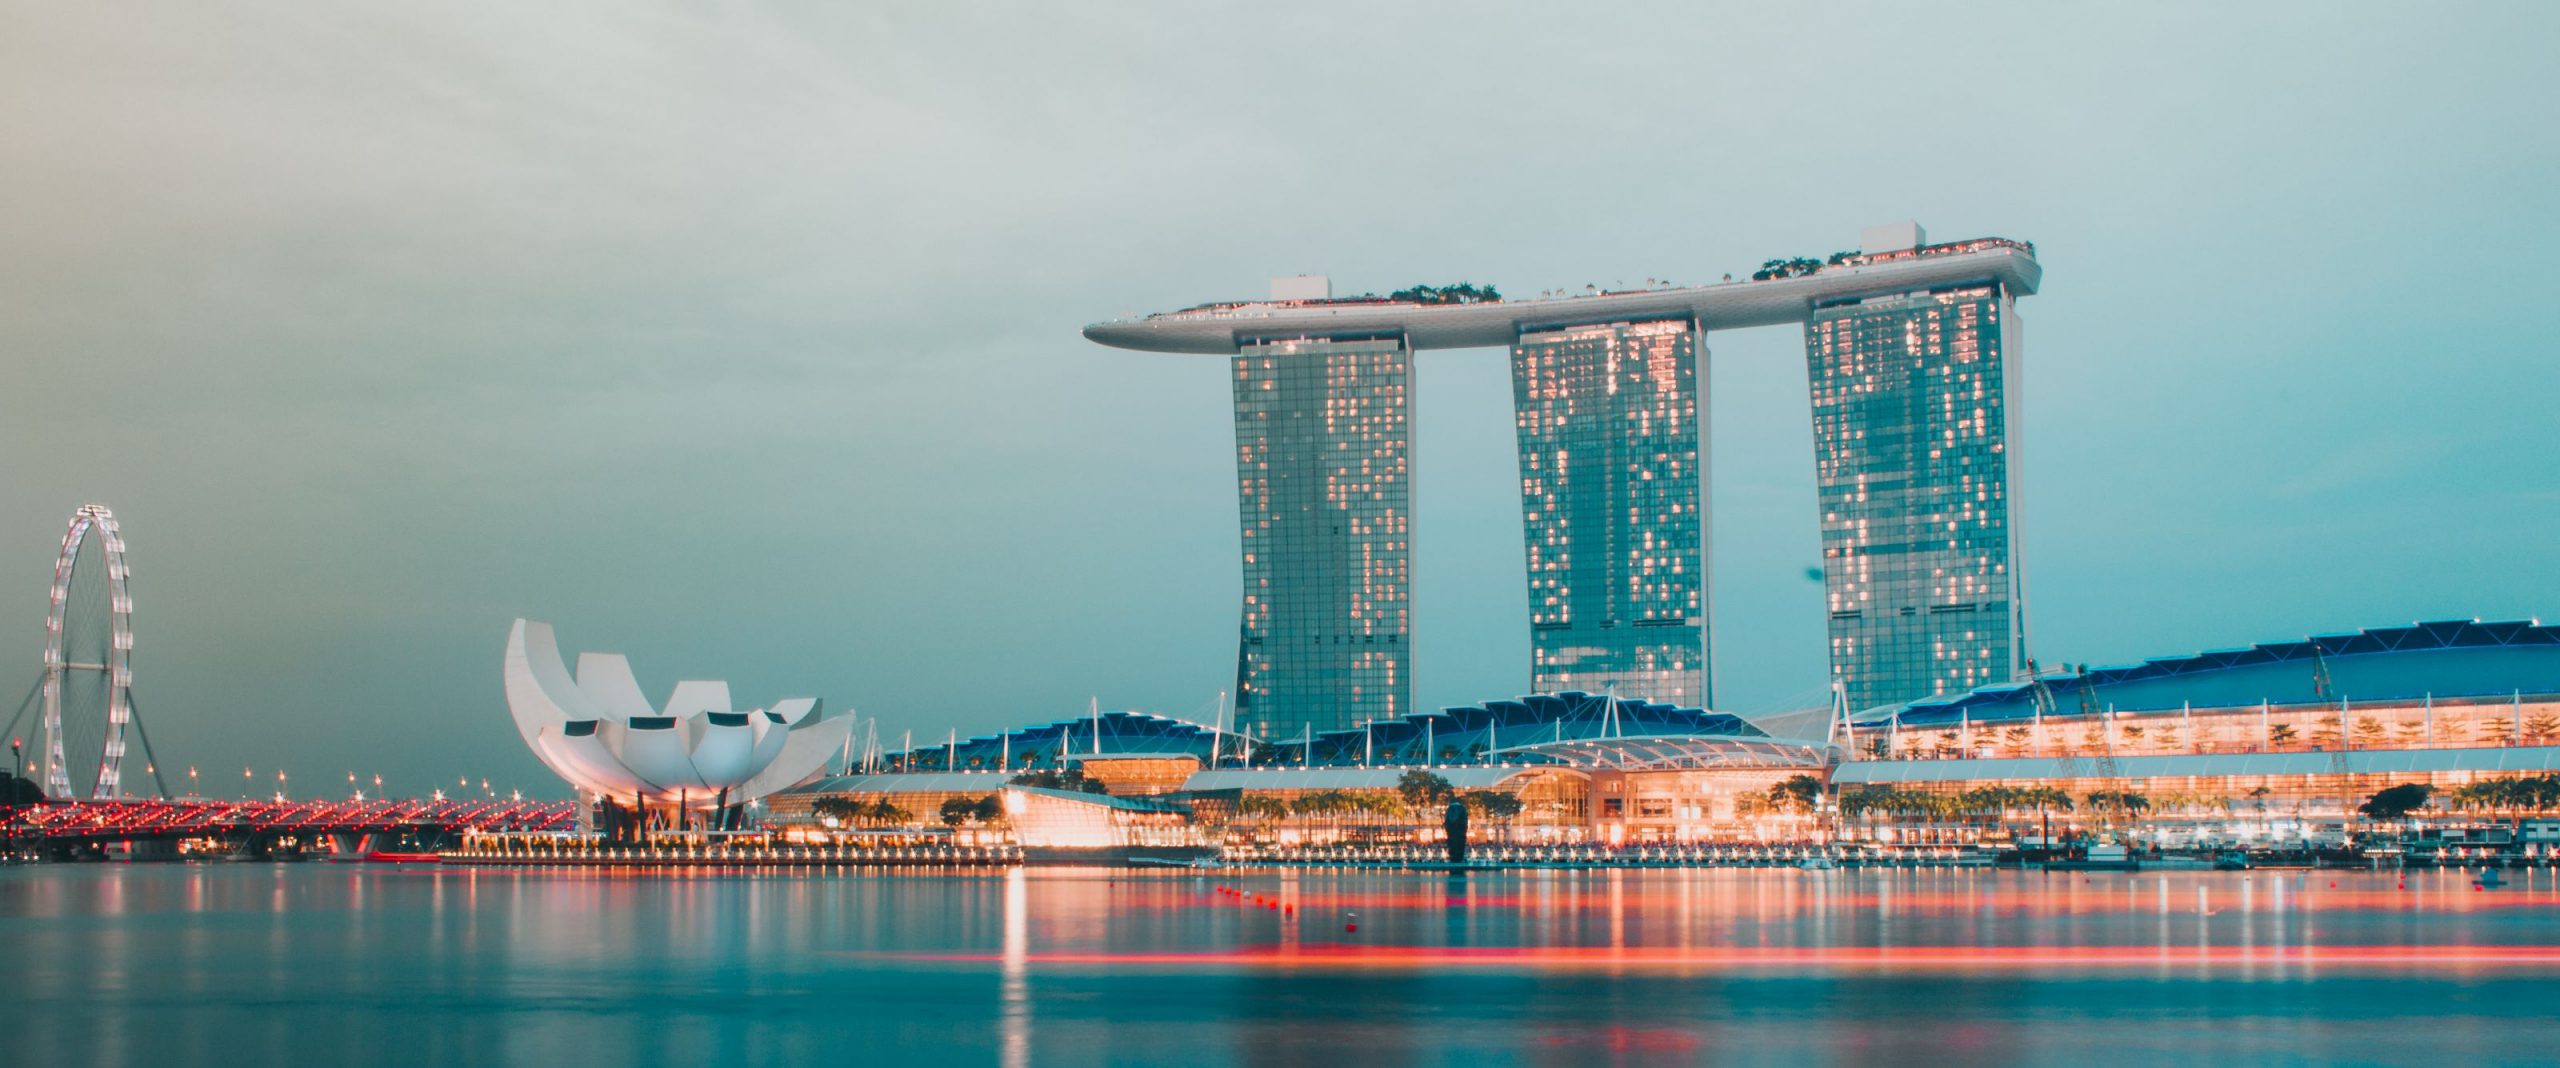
point(598, 732)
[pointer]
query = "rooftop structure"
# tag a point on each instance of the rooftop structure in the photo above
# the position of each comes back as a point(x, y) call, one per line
point(2439, 661)
point(1471, 734)
point(2178, 766)
point(1220, 329)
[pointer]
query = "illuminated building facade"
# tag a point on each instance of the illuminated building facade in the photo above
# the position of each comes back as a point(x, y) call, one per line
point(2274, 745)
point(1611, 512)
point(1912, 468)
point(1912, 348)
point(1324, 491)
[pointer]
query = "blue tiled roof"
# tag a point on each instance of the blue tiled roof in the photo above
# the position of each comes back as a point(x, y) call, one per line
point(2446, 658)
point(1468, 733)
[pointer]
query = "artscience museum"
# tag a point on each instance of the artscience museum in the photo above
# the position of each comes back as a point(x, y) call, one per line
point(697, 751)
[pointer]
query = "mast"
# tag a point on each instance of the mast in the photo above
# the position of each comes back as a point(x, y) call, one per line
point(1217, 728)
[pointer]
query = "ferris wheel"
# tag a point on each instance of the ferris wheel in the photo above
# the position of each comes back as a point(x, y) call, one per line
point(88, 661)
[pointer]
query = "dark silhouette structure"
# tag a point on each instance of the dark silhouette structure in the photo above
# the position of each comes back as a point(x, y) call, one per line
point(1455, 822)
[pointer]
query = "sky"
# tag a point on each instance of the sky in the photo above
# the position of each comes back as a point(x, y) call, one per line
point(743, 340)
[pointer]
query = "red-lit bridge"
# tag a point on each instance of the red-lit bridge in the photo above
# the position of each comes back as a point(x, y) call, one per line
point(61, 827)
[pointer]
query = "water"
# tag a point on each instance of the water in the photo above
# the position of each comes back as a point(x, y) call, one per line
point(166, 965)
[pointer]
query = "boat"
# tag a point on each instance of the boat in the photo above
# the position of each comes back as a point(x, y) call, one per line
point(2099, 858)
point(2489, 879)
point(2231, 860)
point(387, 856)
point(1816, 862)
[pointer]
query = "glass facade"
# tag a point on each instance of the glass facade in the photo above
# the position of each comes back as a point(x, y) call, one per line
point(1912, 464)
point(1324, 483)
point(1610, 467)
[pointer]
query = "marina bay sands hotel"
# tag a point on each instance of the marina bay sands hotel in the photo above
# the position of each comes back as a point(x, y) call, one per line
point(1912, 353)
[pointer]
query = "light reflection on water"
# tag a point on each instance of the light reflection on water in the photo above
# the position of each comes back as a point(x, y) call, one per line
point(328, 964)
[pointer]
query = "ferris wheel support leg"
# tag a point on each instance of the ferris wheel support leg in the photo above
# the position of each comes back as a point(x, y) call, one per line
point(148, 760)
point(25, 704)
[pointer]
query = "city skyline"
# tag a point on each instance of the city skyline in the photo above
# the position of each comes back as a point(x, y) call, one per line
point(654, 335)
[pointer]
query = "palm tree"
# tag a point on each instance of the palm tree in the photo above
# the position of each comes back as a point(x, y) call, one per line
point(1261, 810)
point(2281, 735)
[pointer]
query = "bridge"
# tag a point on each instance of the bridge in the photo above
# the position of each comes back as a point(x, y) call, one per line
point(64, 829)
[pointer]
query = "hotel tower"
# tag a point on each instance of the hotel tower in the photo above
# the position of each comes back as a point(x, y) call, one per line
point(1912, 353)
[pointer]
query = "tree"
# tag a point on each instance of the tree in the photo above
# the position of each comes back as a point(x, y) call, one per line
point(960, 810)
point(1799, 793)
point(1461, 293)
point(860, 810)
point(1789, 268)
point(1424, 790)
point(2540, 726)
point(2118, 802)
point(1260, 808)
point(1492, 804)
point(2368, 731)
point(2395, 802)
point(2281, 735)
point(1072, 777)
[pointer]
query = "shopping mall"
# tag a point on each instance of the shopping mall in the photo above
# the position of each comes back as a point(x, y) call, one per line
point(2281, 738)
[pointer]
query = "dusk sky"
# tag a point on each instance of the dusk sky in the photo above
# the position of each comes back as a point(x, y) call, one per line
point(746, 343)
